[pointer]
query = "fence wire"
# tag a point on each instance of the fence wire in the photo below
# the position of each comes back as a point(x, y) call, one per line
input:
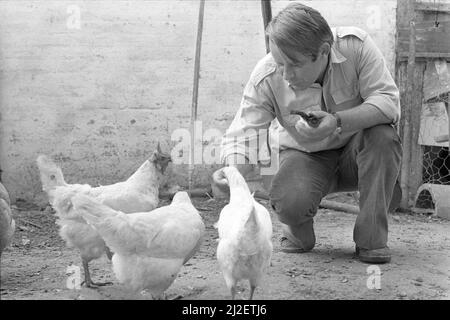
point(436, 159)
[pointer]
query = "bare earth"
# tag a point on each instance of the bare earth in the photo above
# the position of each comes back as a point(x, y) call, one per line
point(34, 266)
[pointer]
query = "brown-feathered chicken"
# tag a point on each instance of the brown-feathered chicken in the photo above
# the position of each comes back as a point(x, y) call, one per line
point(7, 223)
point(138, 193)
point(150, 247)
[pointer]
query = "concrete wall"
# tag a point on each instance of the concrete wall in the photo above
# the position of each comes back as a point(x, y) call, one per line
point(95, 84)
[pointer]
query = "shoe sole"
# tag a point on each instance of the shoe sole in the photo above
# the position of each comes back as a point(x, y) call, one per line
point(292, 250)
point(376, 260)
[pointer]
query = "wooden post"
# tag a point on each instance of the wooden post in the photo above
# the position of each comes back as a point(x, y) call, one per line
point(195, 90)
point(407, 140)
point(267, 16)
point(448, 114)
point(415, 178)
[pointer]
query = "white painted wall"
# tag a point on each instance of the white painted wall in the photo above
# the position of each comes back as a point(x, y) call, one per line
point(98, 98)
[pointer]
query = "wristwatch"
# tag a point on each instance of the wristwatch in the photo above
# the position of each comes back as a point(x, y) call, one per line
point(338, 122)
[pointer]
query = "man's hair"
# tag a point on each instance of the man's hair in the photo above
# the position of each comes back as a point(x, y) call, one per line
point(299, 28)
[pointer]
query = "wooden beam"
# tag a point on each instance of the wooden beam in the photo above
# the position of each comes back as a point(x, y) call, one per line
point(339, 206)
point(435, 7)
point(198, 47)
point(407, 141)
point(266, 9)
point(403, 56)
point(431, 41)
point(416, 160)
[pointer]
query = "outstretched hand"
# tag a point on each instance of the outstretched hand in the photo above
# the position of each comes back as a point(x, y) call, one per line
point(219, 185)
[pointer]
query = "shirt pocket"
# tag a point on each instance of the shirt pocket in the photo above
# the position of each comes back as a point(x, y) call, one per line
point(346, 93)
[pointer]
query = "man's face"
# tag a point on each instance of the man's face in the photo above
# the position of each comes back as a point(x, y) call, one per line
point(301, 72)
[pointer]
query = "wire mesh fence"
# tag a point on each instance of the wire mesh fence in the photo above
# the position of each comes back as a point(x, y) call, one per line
point(436, 159)
point(436, 165)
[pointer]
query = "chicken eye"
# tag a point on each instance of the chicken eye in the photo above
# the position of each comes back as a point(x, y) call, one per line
point(52, 177)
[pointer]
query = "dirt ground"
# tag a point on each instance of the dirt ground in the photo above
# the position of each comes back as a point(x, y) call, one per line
point(34, 266)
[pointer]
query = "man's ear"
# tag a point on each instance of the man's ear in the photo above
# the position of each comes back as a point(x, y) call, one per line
point(324, 49)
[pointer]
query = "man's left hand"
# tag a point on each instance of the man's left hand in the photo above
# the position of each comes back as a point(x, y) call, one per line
point(326, 127)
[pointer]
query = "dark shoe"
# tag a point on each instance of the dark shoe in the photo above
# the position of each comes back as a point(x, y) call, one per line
point(288, 246)
point(382, 255)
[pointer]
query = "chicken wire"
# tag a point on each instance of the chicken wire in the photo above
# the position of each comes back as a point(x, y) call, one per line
point(436, 159)
point(436, 165)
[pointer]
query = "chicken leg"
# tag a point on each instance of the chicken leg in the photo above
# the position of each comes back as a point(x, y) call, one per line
point(87, 277)
point(231, 285)
point(252, 291)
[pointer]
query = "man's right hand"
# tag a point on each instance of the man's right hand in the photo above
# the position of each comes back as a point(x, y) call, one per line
point(219, 185)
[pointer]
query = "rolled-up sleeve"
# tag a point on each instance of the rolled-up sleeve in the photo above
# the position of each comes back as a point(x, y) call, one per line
point(250, 122)
point(377, 87)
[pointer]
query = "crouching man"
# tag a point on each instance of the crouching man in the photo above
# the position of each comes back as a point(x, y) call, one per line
point(340, 80)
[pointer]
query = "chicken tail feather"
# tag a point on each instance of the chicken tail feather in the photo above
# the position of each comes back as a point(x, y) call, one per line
point(252, 223)
point(92, 210)
point(112, 225)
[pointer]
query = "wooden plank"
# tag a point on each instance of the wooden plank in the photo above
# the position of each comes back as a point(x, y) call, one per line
point(407, 141)
point(327, 204)
point(194, 107)
point(416, 167)
point(338, 206)
point(435, 7)
point(412, 106)
point(401, 83)
point(403, 56)
point(429, 38)
point(266, 9)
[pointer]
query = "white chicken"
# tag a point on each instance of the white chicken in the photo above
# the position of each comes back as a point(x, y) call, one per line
point(150, 247)
point(140, 192)
point(245, 231)
point(7, 223)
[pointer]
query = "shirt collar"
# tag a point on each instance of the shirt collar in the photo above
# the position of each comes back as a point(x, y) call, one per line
point(336, 56)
